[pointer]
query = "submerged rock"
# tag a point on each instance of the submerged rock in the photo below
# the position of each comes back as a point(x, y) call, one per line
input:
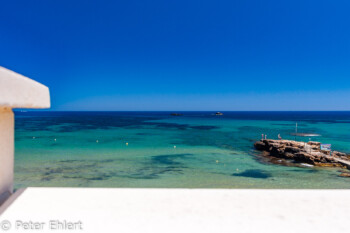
point(345, 174)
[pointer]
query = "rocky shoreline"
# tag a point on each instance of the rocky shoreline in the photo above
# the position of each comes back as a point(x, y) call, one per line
point(302, 152)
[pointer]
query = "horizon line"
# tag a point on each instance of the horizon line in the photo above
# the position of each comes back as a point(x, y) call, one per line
point(174, 111)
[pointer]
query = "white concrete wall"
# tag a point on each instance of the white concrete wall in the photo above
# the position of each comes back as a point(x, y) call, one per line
point(16, 91)
point(6, 152)
point(183, 210)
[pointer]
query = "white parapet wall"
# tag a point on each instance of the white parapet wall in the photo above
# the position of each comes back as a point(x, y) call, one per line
point(16, 91)
point(176, 210)
point(6, 152)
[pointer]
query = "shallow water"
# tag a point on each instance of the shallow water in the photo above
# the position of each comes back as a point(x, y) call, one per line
point(154, 149)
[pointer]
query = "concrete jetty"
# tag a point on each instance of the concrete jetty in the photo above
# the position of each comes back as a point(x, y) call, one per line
point(303, 152)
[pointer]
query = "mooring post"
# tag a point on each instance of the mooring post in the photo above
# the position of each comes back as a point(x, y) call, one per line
point(16, 91)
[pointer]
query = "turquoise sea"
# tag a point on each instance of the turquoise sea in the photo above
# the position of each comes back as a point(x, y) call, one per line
point(155, 149)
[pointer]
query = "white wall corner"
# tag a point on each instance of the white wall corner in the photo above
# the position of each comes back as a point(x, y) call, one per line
point(16, 91)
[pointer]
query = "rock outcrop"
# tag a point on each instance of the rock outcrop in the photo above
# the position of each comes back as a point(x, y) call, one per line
point(302, 152)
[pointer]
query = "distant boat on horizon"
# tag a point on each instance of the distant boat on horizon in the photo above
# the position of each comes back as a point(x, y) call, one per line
point(176, 114)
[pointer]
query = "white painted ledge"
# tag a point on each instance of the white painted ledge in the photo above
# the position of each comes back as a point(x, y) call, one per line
point(184, 210)
point(17, 91)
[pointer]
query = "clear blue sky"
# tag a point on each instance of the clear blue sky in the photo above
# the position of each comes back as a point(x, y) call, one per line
point(182, 55)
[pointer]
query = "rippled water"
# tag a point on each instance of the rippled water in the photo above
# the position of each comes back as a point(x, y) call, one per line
point(154, 149)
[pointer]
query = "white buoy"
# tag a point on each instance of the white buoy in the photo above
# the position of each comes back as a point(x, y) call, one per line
point(55, 139)
point(174, 147)
point(127, 143)
point(96, 141)
point(217, 161)
point(33, 137)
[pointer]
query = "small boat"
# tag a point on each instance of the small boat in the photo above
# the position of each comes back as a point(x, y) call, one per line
point(306, 165)
point(219, 114)
point(176, 114)
point(306, 134)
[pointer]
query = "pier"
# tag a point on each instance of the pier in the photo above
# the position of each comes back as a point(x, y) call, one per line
point(302, 152)
point(328, 157)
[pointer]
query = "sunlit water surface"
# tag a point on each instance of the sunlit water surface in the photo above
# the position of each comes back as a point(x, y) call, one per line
point(155, 149)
